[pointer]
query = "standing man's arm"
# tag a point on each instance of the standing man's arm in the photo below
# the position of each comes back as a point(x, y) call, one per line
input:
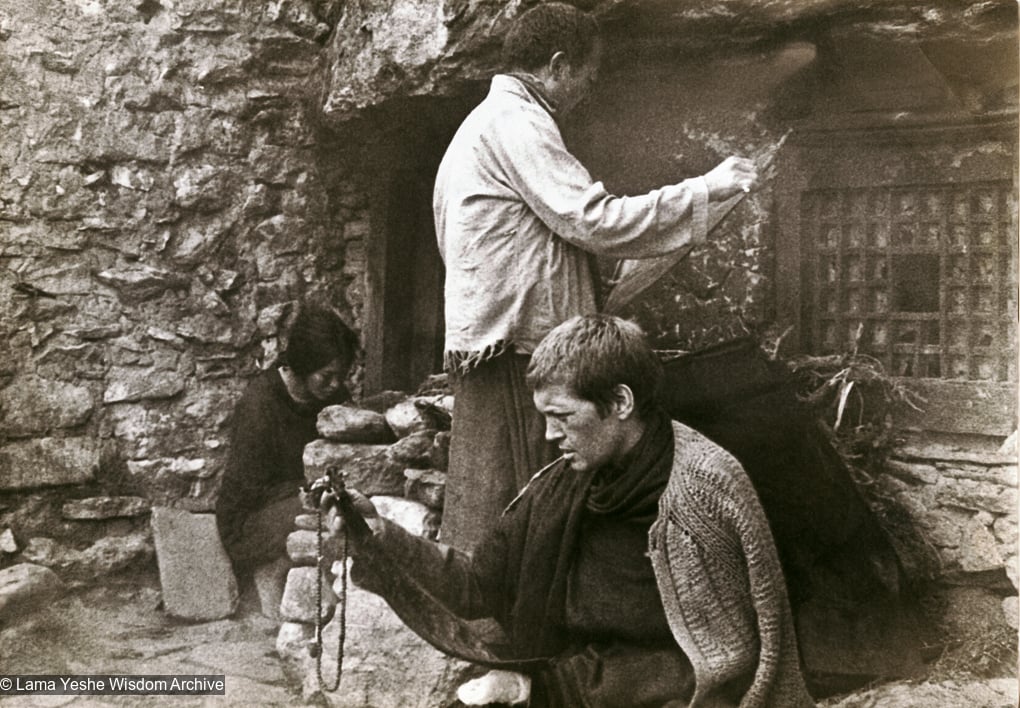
point(560, 191)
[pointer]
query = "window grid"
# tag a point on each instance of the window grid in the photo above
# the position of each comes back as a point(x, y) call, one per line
point(921, 272)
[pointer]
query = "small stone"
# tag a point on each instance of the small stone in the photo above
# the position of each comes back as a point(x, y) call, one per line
point(979, 550)
point(357, 425)
point(425, 486)
point(33, 405)
point(293, 640)
point(415, 450)
point(405, 418)
point(105, 507)
point(269, 581)
point(1011, 609)
point(302, 547)
point(131, 384)
point(298, 604)
point(108, 555)
point(306, 522)
point(409, 514)
point(8, 544)
point(49, 462)
point(439, 458)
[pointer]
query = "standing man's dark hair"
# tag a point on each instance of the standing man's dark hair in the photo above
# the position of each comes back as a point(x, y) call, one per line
point(544, 30)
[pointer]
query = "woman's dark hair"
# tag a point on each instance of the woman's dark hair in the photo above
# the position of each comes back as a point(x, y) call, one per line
point(317, 337)
point(546, 29)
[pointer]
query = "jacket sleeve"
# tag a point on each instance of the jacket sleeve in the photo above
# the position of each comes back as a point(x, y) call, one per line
point(465, 585)
point(606, 676)
point(723, 590)
point(558, 188)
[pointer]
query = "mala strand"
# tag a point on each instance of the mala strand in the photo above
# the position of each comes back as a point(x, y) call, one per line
point(342, 618)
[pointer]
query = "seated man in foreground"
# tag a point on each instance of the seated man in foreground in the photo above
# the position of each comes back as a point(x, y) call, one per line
point(638, 569)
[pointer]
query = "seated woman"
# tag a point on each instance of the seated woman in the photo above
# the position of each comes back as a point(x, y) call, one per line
point(272, 423)
point(638, 569)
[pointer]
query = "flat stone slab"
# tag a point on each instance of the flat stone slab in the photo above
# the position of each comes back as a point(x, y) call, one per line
point(25, 587)
point(194, 570)
point(45, 462)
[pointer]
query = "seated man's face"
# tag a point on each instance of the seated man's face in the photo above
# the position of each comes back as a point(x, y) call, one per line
point(586, 439)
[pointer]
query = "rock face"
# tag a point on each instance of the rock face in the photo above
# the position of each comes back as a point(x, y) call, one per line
point(396, 48)
point(162, 209)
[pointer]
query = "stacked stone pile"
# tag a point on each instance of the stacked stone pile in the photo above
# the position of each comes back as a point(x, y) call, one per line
point(393, 448)
point(962, 504)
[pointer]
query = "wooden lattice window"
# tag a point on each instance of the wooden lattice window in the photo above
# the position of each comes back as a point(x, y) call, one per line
point(917, 276)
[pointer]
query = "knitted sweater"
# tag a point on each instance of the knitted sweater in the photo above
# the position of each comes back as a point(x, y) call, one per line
point(720, 579)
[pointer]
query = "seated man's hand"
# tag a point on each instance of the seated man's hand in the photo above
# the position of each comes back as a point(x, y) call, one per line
point(335, 522)
point(732, 175)
point(495, 687)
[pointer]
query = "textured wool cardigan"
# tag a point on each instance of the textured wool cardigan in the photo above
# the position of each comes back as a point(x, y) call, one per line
point(720, 580)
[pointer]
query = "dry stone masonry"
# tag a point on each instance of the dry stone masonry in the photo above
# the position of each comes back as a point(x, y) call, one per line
point(386, 664)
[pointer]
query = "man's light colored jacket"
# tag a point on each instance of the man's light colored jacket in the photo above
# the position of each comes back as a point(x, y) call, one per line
point(515, 213)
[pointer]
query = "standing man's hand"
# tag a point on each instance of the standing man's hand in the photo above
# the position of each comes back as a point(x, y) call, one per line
point(732, 175)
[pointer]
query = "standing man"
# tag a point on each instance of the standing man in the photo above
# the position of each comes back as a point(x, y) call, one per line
point(516, 217)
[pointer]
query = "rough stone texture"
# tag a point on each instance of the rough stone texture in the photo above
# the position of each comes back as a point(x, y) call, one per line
point(415, 450)
point(298, 603)
point(349, 424)
point(440, 456)
point(367, 468)
point(426, 486)
point(405, 418)
point(25, 587)
point(302, 544)
point(385, 663)
point(34, 406)
point(991, 693)
point(163, 194)
point(405, 512)
point(105, 507)
point(8, 544)
point(42, 462)
point(107, 555)
point(395, 48)
point(270, 580)
point(194, 570)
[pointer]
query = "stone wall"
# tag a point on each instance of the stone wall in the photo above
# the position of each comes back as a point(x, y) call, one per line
point(957, 504)
point(165, 198)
